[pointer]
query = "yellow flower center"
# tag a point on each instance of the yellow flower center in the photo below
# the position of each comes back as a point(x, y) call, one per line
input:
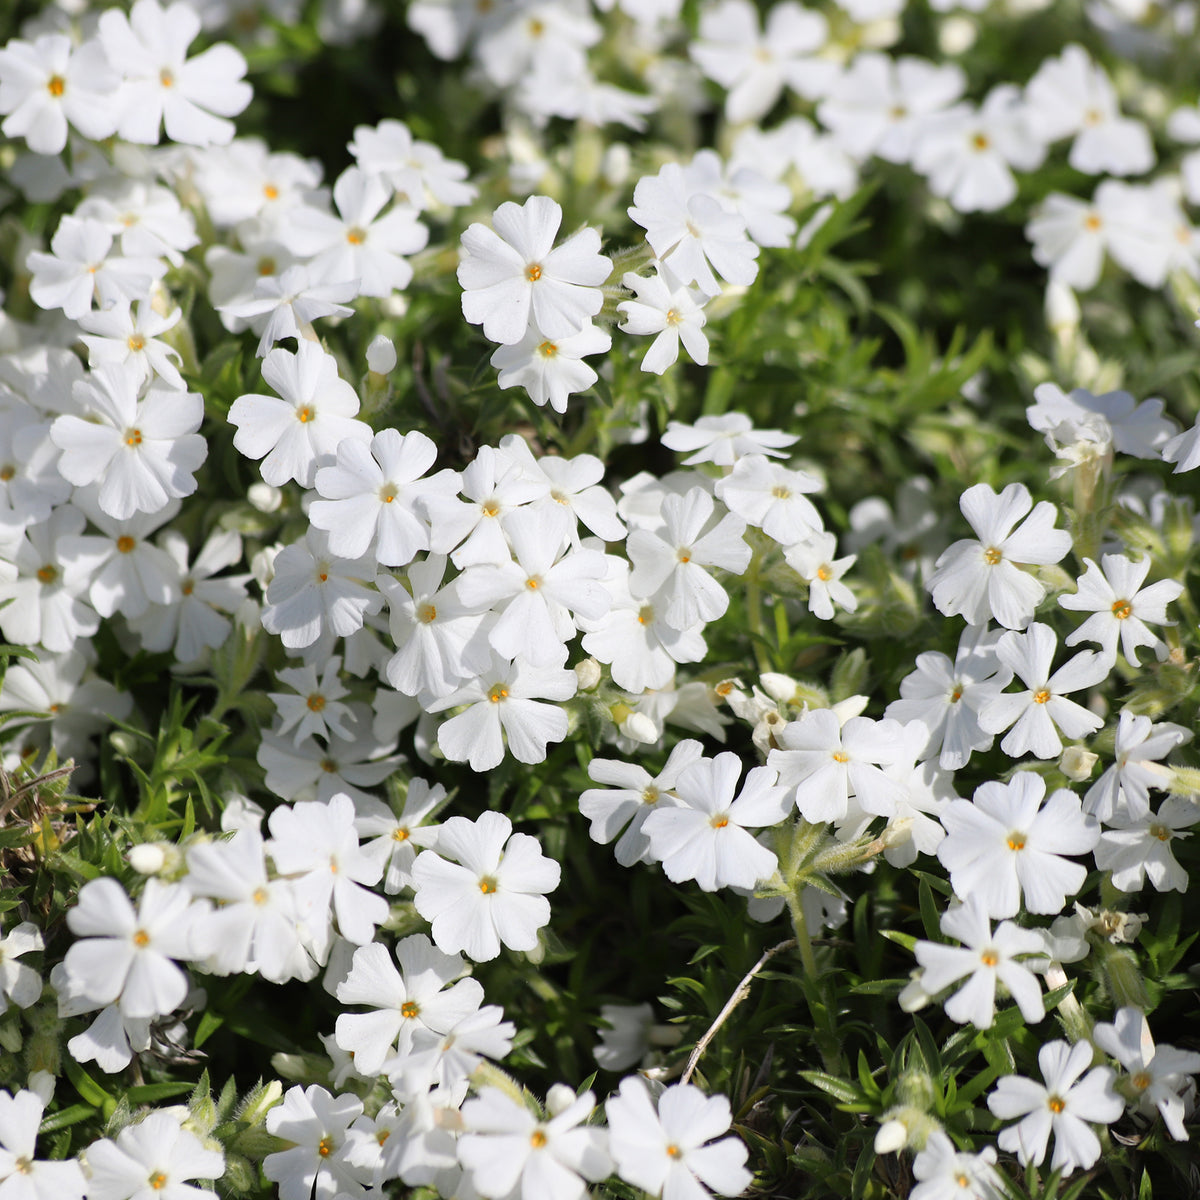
point(387, 493)
point(329, 766)
point(650, 794)
point(537, 1139)
point(136, 342)
point(980, 142)
point(1056, 1104)
point(400, 834)
point(547, 349)
point(989, 958)
point(141, 938)
point(260, 896)
point(1016, 841)
point(684, 556)
point(56, 85)
point(840, 756)
point(426, 614)
point(780, 492)
point(1141, 1081)
point(47, 574)
point(992, 555)
point(133, 437)
point(188, 587)
point(718, 822)
point(356, 235)
point(266, 265)
point(497, 693)
point(316, 702)
point(1122, 610)
point(673, 318)
point(271, 191)
point(409, 1009)
point(533, 583)
point(956, 695)
point(305, 413)
point(1092, 222)
point(824, 573)
point(673, 1151)
point(487, 885)
point(491, 508)
point(325, 1147)
point(158, 1181)
point(533, 272)
point(1161, 832)
point(645, 614)
point(125, 544)
point(7, 472)
point(166, 78)
point(1041, 697)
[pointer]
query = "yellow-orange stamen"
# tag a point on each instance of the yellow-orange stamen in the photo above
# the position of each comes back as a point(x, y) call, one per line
point(125, 544)
point(316, 702)
point(533, 272)
point(56, 85)
point(1041, 697)
point(1122, 610)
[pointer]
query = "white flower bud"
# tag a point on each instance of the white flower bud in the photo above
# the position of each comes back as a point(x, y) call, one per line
point(957, 35)
point(559, 1098)
point(891, 1137)
point(852, 706)
point(640, 728)
point(779, 687)
point(148, 858)
point(1077, 763)
point(264, 497)
point(1062, 309)
point(588, 674)
point(381, 355)
point(41, 1083)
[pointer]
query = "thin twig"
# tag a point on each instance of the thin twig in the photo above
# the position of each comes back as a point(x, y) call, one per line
point(739, 994)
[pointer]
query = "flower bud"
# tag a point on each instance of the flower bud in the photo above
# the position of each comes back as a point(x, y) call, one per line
point(148, 858)
point(381, 355)
point(264, 497)
point(1077, 763)
point(559, 1098)
point(640, 728)
point(891, 1137)
point(588, 674)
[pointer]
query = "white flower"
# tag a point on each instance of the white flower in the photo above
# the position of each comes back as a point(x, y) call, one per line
point(692, 233)
point(421, 995)
point(493, 895)
point(162, 87)
point(769, 496)
point(670, 1151)
point(283, 305)
point(143, 452)
point(1006, 848)
point(1040, 713)
point(510, 1152)
point(317, 1165)
point(826, 762)
point(506, 696)
point(948, 697)
point(980, 578)
point(47, 83)
point(1184, 449)
point(1062, 1107)
point(357, 244)
point(946, 1173)
point(315, 592)
point(128, 953)
point(988, 957)
point(1132, 848)
point(1125, 786)
point(300, 432)
point(1122, 607)
point(313, 707)
point(1114, 419)
point(550, 369)
point(812, 558)
point(156, 1157)
point(705, 836)
point(674, 565)
point(416, 170)
point(1157, 1074)
point(632, 795)
point(19, 982)
point(672, 311)
point(396, 839)
point(513, 274)
point(725, 439)
point(23, 1177)
point(755, 66)
point(121, 334)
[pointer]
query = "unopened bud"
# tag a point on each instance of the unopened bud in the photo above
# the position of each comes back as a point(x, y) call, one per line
point(957, 35)
point(148, 858)
point(891, 1137)
point(640, 728)
point(559, 1098)
point(587, 673)
point(381, 355)
point(1062, 309)
point(781, 688)
point(1077, 763)
point(264, 497)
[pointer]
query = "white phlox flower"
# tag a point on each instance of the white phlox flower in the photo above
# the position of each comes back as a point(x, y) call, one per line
point(508, 1151)
point(421, 995)
point(813, 559)
point(314, 706)
point(506, 702)
point(1138, 429)
point(1184, 449)
point(317, 846)
point(257, 924)
point(50, 83)
point(948, 697)
point(692, 233)
point(371, 496)
point(299, 430)
point(286, 305)
point(22, 1176)
point(317, 1165)
point(1121, 606)
point(824, 762)
point(1004, 955)
point(944, 1172)
point(396, 839)
point(981, 578)
point(358, 244)
point(550, 369)
point(157, 1156)
point(910, 530)
point(493, 895)
point(724, 439)
point(448, 1060)
point(671, 311)
point(1134, 848)
point(631, 794)
point(1125, 786)
point(772, 498)
point(142, 450)
point(705, 836)
point(1073, 96)
point(513, 274)
point(755, 65)
point(122, 334)
point(417, 171)
point(1040, 713)
point(575, 486)
point(126, 954)
point(668, 1148)
point(1063, 1106)
point(540, 592)
point(20, 984)
point(1156, 1074)
point(673, 565)
point(1007, 848)
point(161, 87)
point(314, 591)
point(245, 180)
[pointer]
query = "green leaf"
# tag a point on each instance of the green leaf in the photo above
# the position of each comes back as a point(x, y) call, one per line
point(839, 1089)
point(86, 1086)
point(151, 1093)
point(210, 1022)
point(65, 1117)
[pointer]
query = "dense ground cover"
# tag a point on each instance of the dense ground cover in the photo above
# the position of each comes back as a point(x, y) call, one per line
point(598, 596)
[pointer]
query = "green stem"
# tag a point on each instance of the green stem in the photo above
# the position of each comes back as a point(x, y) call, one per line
point(754, 617)
point(800, 927)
